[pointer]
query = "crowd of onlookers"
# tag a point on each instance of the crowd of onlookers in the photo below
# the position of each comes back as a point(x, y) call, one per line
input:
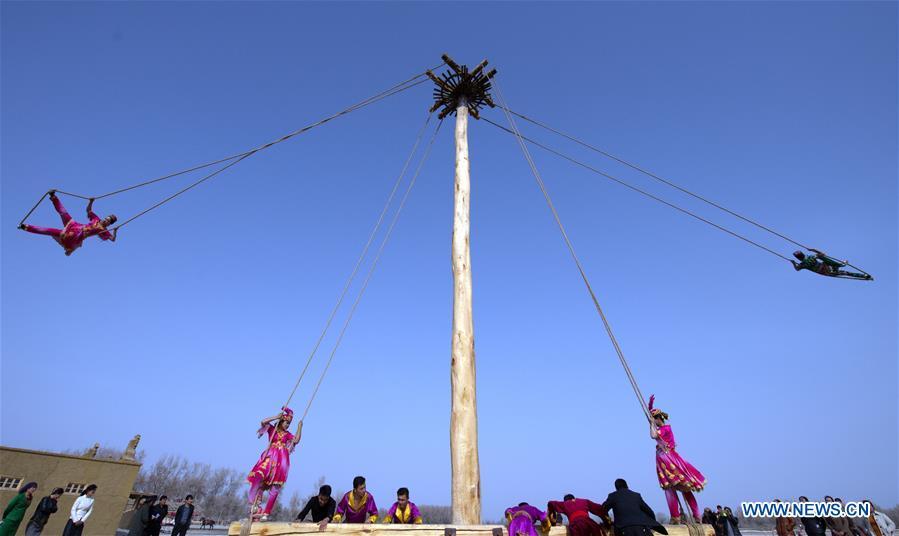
point(723, 519)
point(14, 513)
point(146, 520)
point(151, 511)
point(876, 524)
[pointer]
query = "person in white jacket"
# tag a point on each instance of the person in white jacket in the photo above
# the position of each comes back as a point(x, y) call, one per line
point(887, 527)
point(81, 510)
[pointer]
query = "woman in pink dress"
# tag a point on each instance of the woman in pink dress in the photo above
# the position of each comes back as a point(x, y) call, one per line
point(270, 472)
point(675, 473)
point(73, 234)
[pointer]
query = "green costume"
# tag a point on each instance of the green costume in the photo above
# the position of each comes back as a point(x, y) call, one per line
point(824, 265)
point(14, 513)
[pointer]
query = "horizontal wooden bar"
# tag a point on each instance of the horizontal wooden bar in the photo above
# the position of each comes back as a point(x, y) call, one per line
point(383, 529)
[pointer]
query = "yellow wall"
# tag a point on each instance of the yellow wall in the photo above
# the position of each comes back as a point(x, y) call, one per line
point(114, 479)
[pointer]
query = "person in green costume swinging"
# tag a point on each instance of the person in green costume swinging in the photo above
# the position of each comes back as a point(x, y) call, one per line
point(820, 263)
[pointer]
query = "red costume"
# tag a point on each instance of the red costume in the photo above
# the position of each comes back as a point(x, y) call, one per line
point(579, 521)
point(73, 234)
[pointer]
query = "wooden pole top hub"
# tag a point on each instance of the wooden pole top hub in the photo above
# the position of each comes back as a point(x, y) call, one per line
point(460, 86)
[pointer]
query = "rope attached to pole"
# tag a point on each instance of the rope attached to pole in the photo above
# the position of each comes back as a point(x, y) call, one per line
point(248, 154)
point(577, 262)
point(636, 189)
point(409, 83)
point(371, 269)
point(655, 176)
point(362, 256)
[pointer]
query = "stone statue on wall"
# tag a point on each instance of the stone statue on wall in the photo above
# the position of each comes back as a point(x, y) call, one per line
point(91, 452)
point(131, 450)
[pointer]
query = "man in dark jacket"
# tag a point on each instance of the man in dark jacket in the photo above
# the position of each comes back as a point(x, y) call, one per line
point(814, 526)
point(321, 507)
point(157, 514)
point(730, 524)
point(140, 519)
point(42, 513)
point(633, 517)
point(183, 516)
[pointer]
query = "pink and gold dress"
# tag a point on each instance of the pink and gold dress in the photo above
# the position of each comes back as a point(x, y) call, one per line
point(270, 472)
point(274, 463)
point(675, 472)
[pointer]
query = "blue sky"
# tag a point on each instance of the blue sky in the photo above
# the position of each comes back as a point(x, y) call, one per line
point(196, 322)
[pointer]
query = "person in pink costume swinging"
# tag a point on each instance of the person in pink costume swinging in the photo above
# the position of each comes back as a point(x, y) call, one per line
point(73, 234)
point(675, 473)
point(270, 472)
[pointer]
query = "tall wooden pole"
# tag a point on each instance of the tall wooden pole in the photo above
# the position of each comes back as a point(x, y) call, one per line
point(463, 91)
point(464, 420)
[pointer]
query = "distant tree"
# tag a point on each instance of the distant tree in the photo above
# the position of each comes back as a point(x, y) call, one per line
point(297, 502)
point(759, 523)
point(435, 514)
point(218, 492)
point(279, 513)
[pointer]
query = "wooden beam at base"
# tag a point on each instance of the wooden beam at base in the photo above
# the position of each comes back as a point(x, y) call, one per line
point(353, 529)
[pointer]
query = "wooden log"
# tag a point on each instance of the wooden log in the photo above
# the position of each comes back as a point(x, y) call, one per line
point(354, 529)
point(466, 473)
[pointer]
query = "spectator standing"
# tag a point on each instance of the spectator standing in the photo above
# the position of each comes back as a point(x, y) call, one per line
point(140, 520)
point(729, 523)
point(861, 526)
point(157, 514)
point(839, 526)
point(42, 513)
point(784, 525)
point(882, 522)
point(813, 526)
point(183, 516)
point(81, 510)
point(719, 522)
point(15, 510)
